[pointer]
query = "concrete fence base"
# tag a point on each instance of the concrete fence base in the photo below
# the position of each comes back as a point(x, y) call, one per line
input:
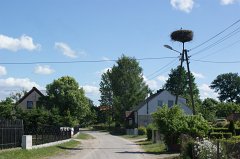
point(132, 131)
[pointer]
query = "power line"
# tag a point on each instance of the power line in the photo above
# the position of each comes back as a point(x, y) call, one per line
point(215, 35)
point(80, 61)
point(219, 41)
point(217, 62)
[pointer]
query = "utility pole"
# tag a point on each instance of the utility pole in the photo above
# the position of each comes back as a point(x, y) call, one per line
point(190, 81)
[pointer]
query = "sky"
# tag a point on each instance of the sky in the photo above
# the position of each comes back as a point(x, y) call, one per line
point(49, 31)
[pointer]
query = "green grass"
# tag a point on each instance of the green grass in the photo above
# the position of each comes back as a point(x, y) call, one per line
point(84, 136)
point(38, 153)
point(154, 148)
point(134, 137)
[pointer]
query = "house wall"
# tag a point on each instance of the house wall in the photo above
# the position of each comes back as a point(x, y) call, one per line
point(144, 115)
point(34, 96)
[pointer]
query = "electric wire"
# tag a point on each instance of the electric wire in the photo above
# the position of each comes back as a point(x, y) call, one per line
point(215, 35)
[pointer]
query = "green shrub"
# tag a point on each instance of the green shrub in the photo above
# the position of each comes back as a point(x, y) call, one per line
point(216, 135)
point(227, 135)
point(237, 131)
point(223, 130)
point(232, 128)
point(141, 130)
point(149, 131)
point(187, 149)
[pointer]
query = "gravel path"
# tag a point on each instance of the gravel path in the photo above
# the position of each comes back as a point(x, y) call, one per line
point(106, 146)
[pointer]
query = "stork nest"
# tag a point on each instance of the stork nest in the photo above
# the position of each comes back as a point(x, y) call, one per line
point(182, 35)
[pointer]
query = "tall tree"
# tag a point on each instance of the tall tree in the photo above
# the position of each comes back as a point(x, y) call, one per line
point(128, 86)
point(228, 87)
point(65, 94)
point(182, 88)
point(106, 96)
point(208, 109)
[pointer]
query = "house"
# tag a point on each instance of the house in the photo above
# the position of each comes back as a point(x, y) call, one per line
point(30, 99)
point(141, 115)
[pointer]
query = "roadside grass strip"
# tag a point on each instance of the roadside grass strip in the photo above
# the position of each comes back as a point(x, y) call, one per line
point(40, 152)
point(152, 148)
point(84, 136)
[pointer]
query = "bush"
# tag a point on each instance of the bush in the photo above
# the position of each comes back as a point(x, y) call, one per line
point(216, 135)
point(237, 131)
point(227, 135)
point(223, 130)
point(141, 130)
point(149, 131)
point(232, 128)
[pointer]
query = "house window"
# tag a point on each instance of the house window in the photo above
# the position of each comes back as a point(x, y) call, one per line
point(170, 103)
point(160, 103)
point(29, 104)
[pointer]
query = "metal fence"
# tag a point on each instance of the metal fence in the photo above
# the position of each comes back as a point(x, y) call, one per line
point(47, 134)
point(11, 132)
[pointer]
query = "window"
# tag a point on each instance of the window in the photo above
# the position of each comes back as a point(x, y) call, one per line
point(160, 103)
point(29, 104)
point(170, 103)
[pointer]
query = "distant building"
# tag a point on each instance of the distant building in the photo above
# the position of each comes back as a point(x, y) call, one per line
point(29, 100)
point(141, 114)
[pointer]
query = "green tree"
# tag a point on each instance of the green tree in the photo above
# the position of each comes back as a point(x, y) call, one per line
point(7, 108)
point(65, 95)
point(128, 86)
point(228, 87)
point(225, 109)
point(182, 89)
point(106, 98)
point(208, 109)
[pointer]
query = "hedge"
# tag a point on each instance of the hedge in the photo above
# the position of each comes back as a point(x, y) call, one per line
point(220, 135)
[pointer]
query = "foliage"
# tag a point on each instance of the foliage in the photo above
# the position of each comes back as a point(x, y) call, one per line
point(182, 89)
point(6, 108)
point(225, 109)
point(128, 86)
point(231, 128)
point(149, 130)
point(208, 109)
point(142, 130)
point(187, 148)
point(106, 98)
point(172, 122)
point(65, 95)
point(228, 87)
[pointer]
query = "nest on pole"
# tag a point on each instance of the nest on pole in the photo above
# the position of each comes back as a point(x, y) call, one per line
point(182, 35)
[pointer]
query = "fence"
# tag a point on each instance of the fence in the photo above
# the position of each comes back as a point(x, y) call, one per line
point(47, 134)
point(11, 132)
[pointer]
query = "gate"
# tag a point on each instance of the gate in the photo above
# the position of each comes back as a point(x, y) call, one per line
point(11, 132)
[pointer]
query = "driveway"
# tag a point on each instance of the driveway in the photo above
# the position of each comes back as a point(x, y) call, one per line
point(106, 146)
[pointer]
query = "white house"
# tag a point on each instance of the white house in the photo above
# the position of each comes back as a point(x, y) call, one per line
point(29, 100)
point(141, 115)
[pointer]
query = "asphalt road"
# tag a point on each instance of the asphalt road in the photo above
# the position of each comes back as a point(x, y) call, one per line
point(105, 146)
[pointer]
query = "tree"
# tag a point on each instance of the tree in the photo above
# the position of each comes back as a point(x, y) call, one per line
point(209, 108)
point(128, 86)
point(7, 108)
point(106, 96)
point(225, 109)
point(182, 89)
point(65, 95)
point(228, 87)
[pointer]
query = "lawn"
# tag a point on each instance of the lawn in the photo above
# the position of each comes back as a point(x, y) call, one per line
point(38, 153)
point(134, 137)
point(84, 136)
point(153, 148)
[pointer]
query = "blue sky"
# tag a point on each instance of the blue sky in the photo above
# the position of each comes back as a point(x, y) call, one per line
point(73, 30)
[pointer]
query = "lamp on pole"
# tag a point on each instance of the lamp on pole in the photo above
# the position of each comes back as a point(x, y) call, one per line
point(183, 36)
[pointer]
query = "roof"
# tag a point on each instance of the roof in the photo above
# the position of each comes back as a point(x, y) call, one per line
point(147, 100)
point(28, 93)
point(234, 117)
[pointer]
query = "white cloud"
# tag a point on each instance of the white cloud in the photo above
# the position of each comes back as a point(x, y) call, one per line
point(67, 51)
point(14, 44)
point(207, 92)
point(103, 71)
point(227, 2)
point(44, 70)
point(162, 78)
point(183, 5)
point(16, 83)
point(3, 71)
point(93, 90)
point(152, 84)
point(198, 75)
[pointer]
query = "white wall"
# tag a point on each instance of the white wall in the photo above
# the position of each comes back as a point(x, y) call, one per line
point(163, 96)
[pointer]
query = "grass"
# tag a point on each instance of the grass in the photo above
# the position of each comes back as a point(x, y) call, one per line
point(84, 136)
point(134, 137)
point(38, 153)
point(153, 148)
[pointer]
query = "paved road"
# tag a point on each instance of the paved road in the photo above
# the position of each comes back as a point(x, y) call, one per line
point(106, 146)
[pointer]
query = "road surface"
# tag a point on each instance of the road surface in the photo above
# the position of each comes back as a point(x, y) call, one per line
point(106, 146)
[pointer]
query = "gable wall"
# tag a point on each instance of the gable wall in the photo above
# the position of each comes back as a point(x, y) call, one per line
point(34, 96)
